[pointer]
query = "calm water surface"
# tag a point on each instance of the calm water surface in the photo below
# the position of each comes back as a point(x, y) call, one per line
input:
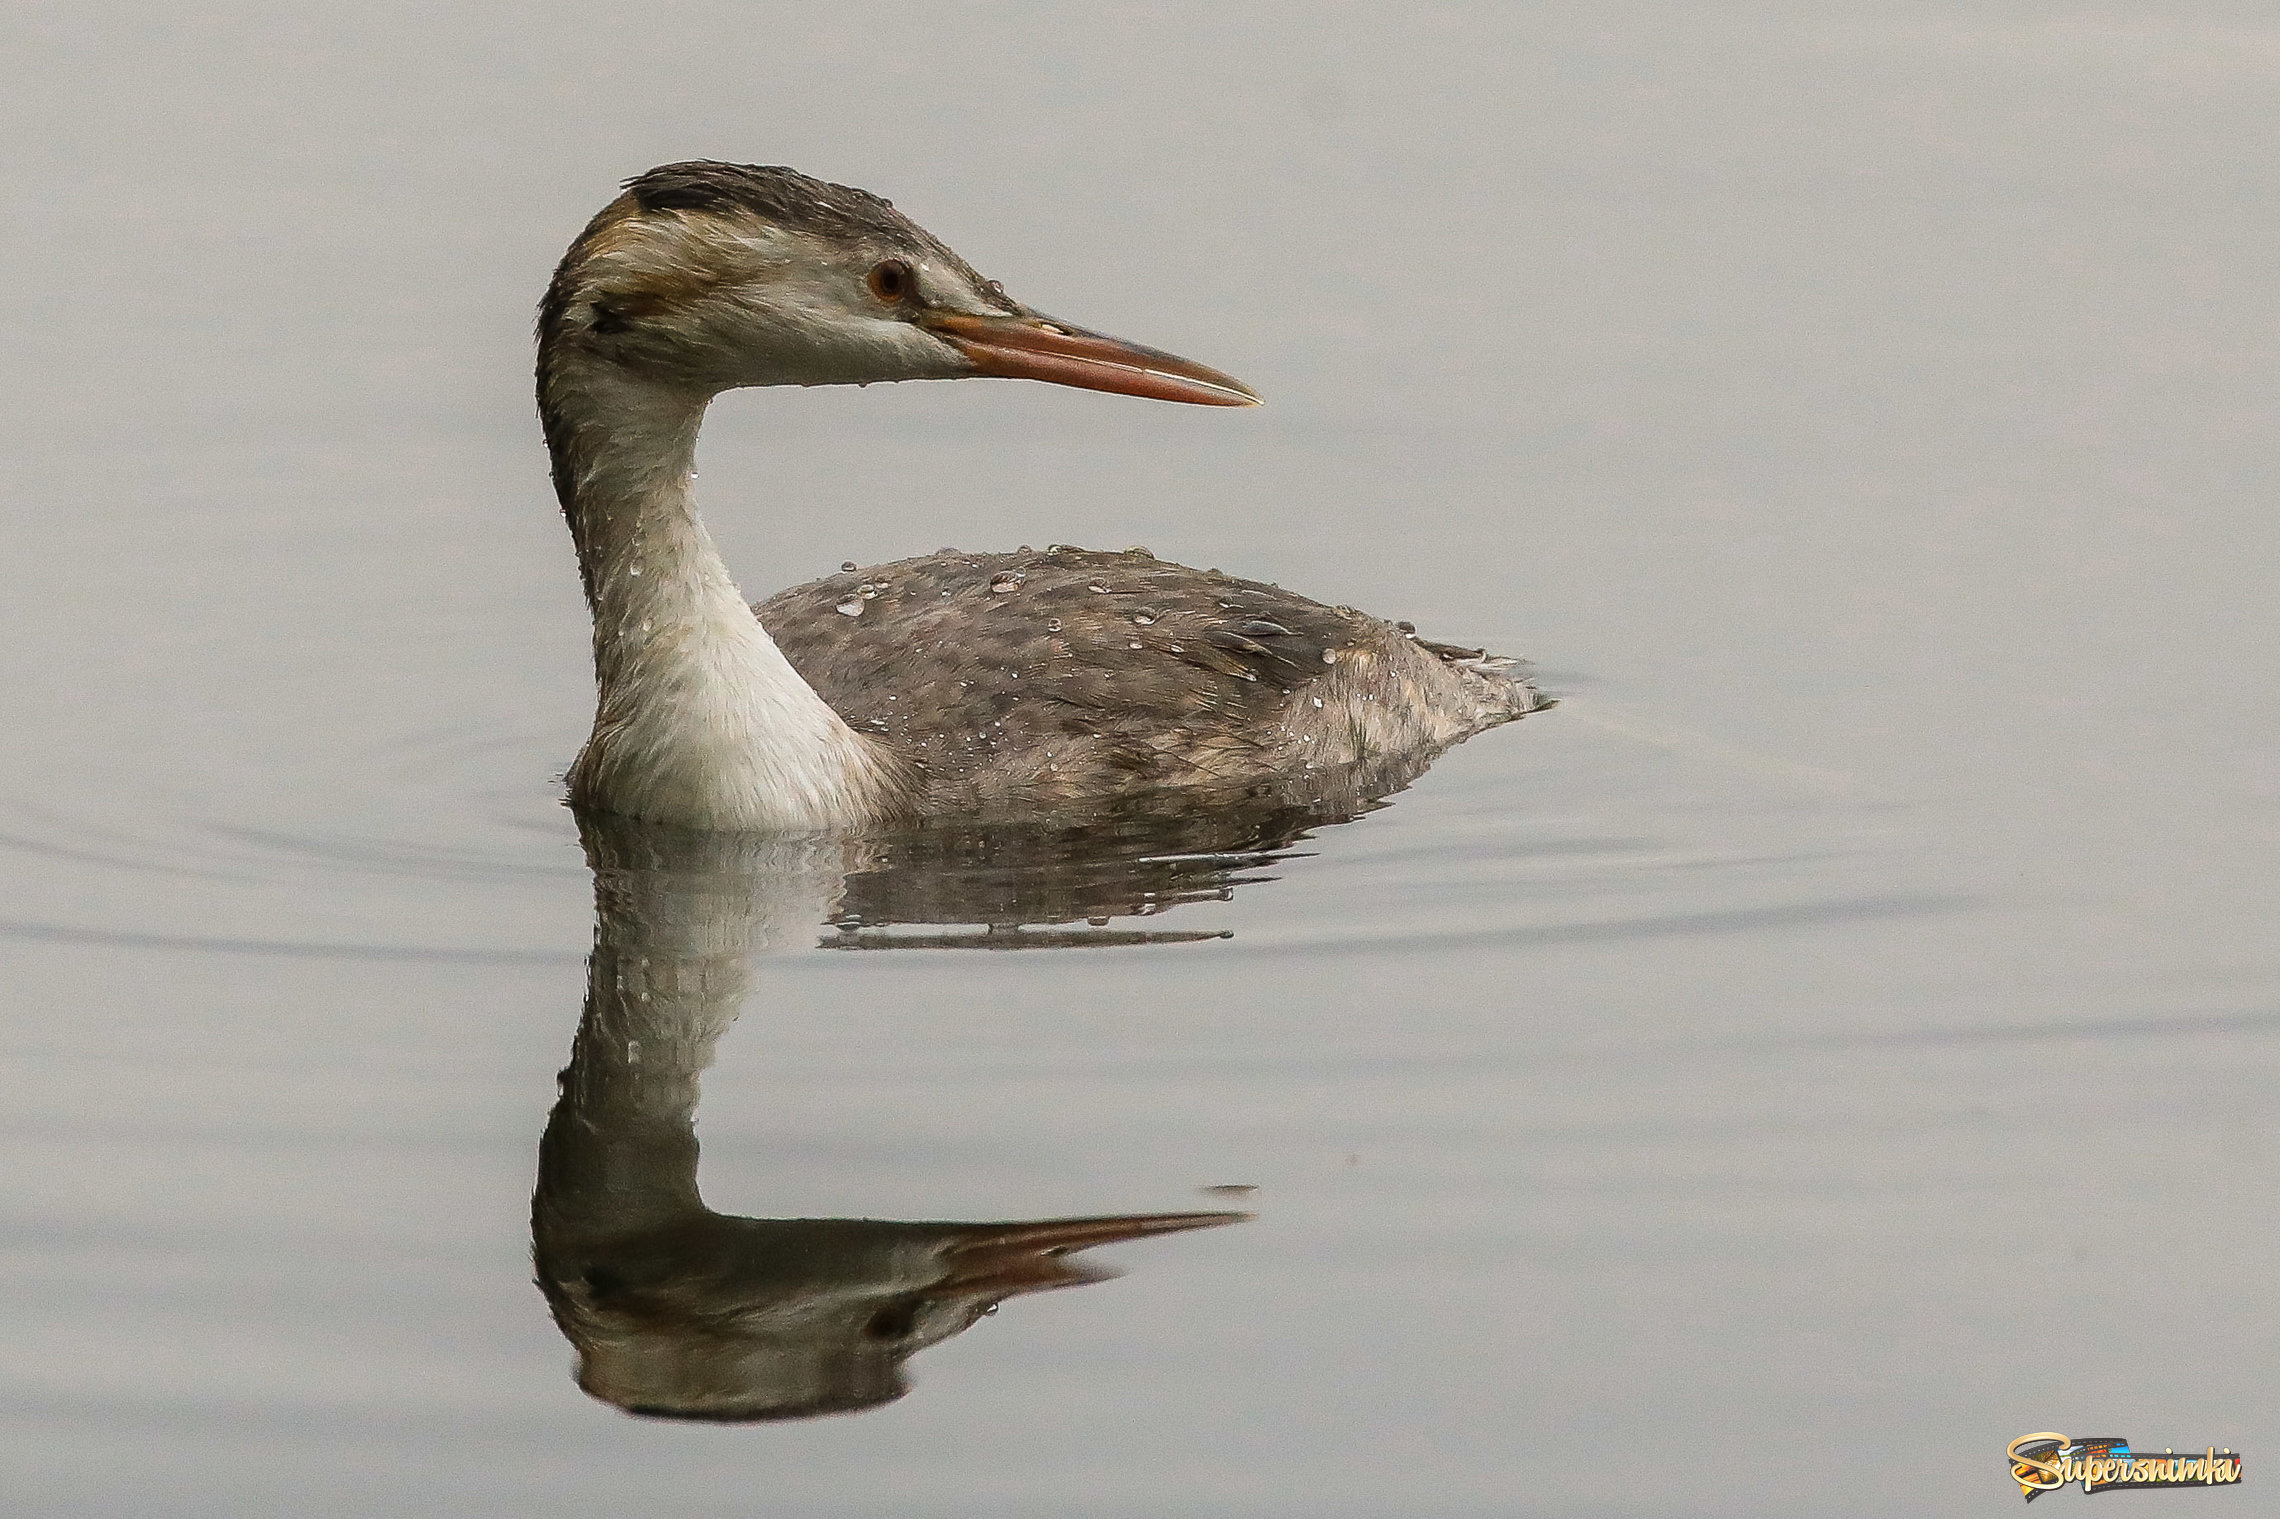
point(1839, 1039)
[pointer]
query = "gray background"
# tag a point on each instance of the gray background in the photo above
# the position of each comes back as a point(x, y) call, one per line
point(1839, 1039)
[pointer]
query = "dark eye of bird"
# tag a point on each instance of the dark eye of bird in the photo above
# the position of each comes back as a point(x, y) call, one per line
point(891, 281)
point(896, 1321)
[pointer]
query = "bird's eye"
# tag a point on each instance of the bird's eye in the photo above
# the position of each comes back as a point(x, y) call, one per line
point(896, 1321)
point(891, 281)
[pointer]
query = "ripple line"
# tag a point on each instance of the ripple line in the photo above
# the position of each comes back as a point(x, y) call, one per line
point(60, 933)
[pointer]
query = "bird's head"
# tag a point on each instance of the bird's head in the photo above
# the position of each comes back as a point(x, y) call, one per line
point(711, 276)
point(742, 1319)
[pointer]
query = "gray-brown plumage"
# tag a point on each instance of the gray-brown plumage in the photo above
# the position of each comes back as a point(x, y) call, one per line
point(955, 684)
point(1037, 681)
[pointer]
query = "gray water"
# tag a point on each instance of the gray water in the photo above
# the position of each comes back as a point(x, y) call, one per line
point(1837, 1040)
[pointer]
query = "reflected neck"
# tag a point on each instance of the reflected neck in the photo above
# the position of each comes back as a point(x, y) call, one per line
point(677, 920)
point(699, 719)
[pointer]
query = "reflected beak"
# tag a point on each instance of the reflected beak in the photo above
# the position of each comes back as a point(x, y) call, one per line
point(1038, 348)
point(1005, 1259)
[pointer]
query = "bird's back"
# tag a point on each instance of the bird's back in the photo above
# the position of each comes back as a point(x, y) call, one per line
point(1040, 679)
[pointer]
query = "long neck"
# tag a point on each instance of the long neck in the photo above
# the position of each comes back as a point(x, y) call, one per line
point(699, 718)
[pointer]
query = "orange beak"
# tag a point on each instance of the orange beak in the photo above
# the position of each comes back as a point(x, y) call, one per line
point(1006, 1259)
point(1038, 348)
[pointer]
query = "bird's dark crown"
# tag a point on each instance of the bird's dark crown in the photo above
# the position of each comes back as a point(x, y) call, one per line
point(784, 196)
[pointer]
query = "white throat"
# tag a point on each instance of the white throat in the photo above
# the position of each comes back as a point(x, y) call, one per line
point(699, 719)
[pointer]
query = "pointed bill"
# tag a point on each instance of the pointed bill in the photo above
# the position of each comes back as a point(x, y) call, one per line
point(1032, 1257)
point(1038, 348)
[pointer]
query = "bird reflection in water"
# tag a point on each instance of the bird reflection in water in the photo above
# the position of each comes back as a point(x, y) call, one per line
point(678, 1311)
point(1050, 884)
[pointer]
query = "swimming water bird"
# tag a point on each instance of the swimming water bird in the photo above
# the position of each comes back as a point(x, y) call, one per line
point(1015, 684)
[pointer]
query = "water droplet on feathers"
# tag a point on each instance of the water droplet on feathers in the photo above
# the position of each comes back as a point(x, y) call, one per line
point(851, 607)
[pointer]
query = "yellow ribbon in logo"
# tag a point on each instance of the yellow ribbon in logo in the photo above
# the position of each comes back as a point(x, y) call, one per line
point(2036, 1476)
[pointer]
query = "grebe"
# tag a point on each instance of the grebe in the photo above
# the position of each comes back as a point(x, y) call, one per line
point(986, 684)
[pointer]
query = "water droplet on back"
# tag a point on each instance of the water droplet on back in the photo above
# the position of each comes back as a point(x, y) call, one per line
point(851, 607)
